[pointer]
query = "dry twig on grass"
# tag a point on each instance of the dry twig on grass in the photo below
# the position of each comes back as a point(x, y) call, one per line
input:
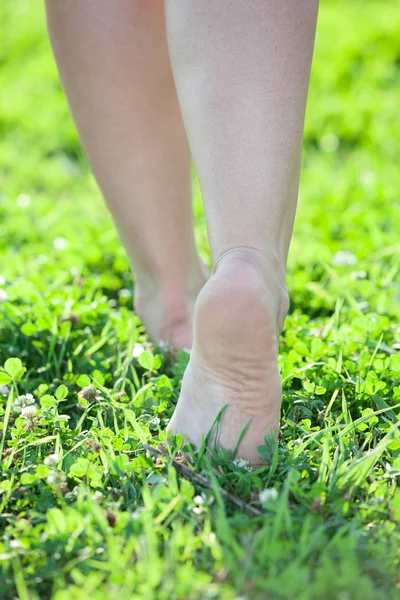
point(204, 482)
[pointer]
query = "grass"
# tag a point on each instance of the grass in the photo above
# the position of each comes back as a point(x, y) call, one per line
point(102, 518)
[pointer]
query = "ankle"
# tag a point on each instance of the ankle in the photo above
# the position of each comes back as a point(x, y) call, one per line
point(261, 273)
point(166, 320)
point(173, 285)
point(165, 306)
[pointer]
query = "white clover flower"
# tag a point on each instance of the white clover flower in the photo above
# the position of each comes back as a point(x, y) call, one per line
point(51, 460)
point(60, 243)
point(28, 412)
point(17, 404)
point(155, 422)
point(90, 393)
point(137, 350)
point(4, 390)
point(329, 142)
point(198, 507)
point(56, 478)
point(23, 201)
point(268, 495)
point(22, 402)
point(15, 544)
point(3, 295)
point(198, 510)
point(367, 178)
point(69, 303)
point(198, 500)
point(358, 275)
point(29, 399)
point(64, 417)
point(242, 464)
point(344, 259)
point(124, 293)
point(98, 496)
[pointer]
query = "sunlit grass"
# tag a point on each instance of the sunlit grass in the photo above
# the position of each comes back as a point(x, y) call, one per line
point(86, 511)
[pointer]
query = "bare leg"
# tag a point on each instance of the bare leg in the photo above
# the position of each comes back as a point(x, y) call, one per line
point(115, 67)
point(242, 74)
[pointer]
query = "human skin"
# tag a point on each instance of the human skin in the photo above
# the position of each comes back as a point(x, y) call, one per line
point(241, 74)
point(115, 68)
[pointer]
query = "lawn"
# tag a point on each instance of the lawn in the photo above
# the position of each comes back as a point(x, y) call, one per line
point(86, 510)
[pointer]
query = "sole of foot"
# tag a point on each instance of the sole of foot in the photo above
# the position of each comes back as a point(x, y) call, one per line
point(234, 362)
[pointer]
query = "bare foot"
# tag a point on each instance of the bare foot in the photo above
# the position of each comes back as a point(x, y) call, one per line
point(238, 318)
point(167, 314)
